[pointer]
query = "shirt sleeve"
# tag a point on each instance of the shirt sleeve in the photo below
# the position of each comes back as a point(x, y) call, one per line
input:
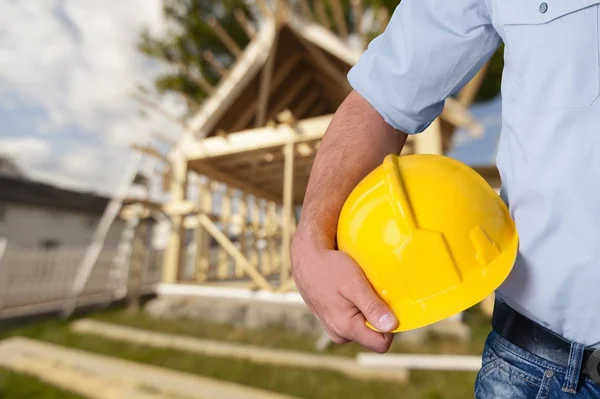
point(429, 50)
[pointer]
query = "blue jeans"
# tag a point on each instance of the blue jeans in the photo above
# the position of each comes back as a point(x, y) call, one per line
point(510, 372)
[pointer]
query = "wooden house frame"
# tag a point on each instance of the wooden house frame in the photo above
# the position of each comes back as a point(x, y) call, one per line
point(253, 141)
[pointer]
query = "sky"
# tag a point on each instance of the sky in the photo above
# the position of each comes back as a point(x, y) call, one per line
point(67, 68)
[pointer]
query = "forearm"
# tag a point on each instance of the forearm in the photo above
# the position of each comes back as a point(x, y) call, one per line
point(355, 143)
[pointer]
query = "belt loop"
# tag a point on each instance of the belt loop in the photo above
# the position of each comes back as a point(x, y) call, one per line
point(573, 368)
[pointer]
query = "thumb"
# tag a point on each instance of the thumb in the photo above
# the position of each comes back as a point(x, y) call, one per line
point(373, 308)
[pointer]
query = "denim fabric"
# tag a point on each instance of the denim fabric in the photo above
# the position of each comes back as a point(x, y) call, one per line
point(512, 373)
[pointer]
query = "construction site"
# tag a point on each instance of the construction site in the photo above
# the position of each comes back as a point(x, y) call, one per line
point(202, 263)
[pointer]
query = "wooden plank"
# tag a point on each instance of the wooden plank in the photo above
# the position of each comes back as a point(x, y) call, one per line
point(282, 72)
point(325, 39)
point(457, 114)
point(257, 139)
point(430, 141)
point(96, 376)
point(222, 34)
point(255, 221)
point(306, 11)
point(202, 239)
point(288, 192)
point(266, 82)
point(233, 180)
point(357, 13)
point(234, 252)
point(340, 20)
point(223, 271)
point(204, 347)
point(238, 79)
point(264, 8)
point(150, 150)
point(172, 254)
point(214, 63)
point(291, 94)
point(243, 213)
point(467, 95)
point(321, 61)
point(383, 18)
point(248, 28)
point(322, 14)
point(305, 103)
point(271, 237)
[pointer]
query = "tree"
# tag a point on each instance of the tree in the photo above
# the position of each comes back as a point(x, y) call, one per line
point(191, 48)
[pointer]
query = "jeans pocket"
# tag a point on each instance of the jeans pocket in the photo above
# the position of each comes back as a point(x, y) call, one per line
point(500, 379)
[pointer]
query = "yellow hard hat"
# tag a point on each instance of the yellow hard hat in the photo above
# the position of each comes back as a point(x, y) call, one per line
point(431, 235)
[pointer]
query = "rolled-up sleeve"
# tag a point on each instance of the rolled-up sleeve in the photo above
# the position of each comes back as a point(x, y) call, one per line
point(429, 50)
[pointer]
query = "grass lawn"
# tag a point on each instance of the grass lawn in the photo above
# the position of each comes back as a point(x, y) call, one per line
point(297, 382)
point(20, 386)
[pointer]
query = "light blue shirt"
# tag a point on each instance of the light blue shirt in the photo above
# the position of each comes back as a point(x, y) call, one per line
point(549, 150)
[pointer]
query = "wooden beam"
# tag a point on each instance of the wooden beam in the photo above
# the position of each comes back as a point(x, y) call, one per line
point(319, 109)
point(214, 63)
point(150, 151)
point(282, 72)
point(144, 101)
point(265, 9)
point(467, 95)
point(201, 82)
point(258, 139)
point(305, 103)
point(457, 114)
point(383, 18)
point(172, 254)
point(322, 62)
point(239, 77)
point(322, 14)
point(430, 141)
point(358, 13)
point(222, 34)
point(243, 213)
point(235, 253)
point(255, 222)
point(306, 9)
point(326, 40)
point(248, 28)
point(291, 94)
point(266, 82)
point(288, 192)
point(223, 271)
point(202, 240)
point(331, 90)
point(340, 20)
point(271, 236)
point(231, 180)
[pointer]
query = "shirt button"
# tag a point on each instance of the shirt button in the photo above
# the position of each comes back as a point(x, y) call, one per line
point(543, 7)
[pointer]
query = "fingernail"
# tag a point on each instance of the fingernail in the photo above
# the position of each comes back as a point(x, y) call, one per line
point(387, 322)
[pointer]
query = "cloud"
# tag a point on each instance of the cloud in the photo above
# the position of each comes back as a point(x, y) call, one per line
point(35, 148)
point(66, 71)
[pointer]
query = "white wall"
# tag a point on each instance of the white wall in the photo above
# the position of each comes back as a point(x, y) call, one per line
point(28, 226)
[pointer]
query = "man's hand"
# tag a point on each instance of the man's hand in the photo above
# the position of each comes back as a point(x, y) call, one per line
point(330, 282)
point(337, 292)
